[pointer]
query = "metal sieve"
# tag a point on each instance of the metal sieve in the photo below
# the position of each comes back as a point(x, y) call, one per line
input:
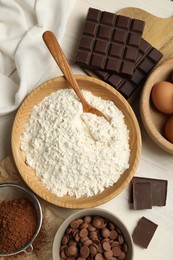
point(12, 191)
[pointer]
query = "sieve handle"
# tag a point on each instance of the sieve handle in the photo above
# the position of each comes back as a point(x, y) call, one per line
point(29, 249)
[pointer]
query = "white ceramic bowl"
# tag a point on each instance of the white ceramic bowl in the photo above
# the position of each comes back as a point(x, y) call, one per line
point(92, 212)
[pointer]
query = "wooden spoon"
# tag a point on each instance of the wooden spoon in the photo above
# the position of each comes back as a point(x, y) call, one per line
point(58, 55)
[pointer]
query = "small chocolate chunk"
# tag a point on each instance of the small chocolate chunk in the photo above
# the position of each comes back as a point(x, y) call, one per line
point(144, 232)
point(142, 195)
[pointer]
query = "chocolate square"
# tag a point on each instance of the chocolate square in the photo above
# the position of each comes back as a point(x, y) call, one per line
point(106, 30)
point(142, 195)
point(158, 189)
point(144, 232)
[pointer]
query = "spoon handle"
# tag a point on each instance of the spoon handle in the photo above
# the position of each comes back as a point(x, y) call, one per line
point(58, 55)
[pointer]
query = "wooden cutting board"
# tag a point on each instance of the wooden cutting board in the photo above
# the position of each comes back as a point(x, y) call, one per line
point(157, 31)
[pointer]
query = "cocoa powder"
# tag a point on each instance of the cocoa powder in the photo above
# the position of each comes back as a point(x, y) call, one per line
point(17, 224)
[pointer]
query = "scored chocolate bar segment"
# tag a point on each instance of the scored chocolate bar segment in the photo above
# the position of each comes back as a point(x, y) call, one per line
point(144, 232)
point(158, 189)
point(147, 58)
point(109, 42)
point(142, 195)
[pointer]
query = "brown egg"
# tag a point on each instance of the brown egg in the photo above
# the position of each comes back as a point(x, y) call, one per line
point(162, 96)
point(169, 129)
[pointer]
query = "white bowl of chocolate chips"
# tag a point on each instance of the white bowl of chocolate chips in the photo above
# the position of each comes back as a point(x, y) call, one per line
point(93, 234)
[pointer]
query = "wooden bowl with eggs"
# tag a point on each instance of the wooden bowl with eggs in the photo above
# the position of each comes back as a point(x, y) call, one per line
point(156, 105)
point(98, 88)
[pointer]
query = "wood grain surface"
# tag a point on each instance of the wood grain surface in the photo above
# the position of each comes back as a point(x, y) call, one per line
point(157, 31)
point(98, 88)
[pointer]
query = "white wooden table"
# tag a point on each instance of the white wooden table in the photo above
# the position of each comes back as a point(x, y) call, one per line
point(154, 162)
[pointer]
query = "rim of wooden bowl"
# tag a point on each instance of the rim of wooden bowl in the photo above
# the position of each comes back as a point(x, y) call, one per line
point(161, 71)
point(28, 174)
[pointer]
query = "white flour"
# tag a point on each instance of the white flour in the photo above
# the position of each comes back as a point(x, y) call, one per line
point(73, 152)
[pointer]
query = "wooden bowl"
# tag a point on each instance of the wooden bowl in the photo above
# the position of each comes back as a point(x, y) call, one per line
point(153, 120)
point(98, 88)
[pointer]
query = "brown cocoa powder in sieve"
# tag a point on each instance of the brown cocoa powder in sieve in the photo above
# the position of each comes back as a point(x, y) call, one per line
point(17, 224)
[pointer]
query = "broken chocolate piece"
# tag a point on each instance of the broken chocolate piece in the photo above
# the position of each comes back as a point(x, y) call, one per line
point(147, 58)
point(110, 42)
point(144, 232)
point(142, 195)
point(158, 189)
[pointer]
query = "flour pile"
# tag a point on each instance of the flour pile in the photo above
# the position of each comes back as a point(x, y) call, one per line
point(72, 152)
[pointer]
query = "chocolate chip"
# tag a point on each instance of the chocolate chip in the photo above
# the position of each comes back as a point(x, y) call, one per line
point(83, 232)
point(106, 246)
point(113, 234)
point(116, 251)
point(122, 256)
point(93, 250)
point(108, 254)
point(84, 251)
point(65, 240)
point(97, 222)
point(99, 256)
point(87, 219)
point(87, 242)
point(72, 250)
point(75, 224)
point(105, 232)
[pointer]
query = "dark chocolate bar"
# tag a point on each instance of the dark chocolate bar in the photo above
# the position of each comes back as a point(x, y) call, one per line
point(110, 42)
point(147, 58)
point(144, 232)
point(158, 189)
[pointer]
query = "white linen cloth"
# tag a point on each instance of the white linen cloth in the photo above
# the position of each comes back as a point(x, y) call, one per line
point(22, 23)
